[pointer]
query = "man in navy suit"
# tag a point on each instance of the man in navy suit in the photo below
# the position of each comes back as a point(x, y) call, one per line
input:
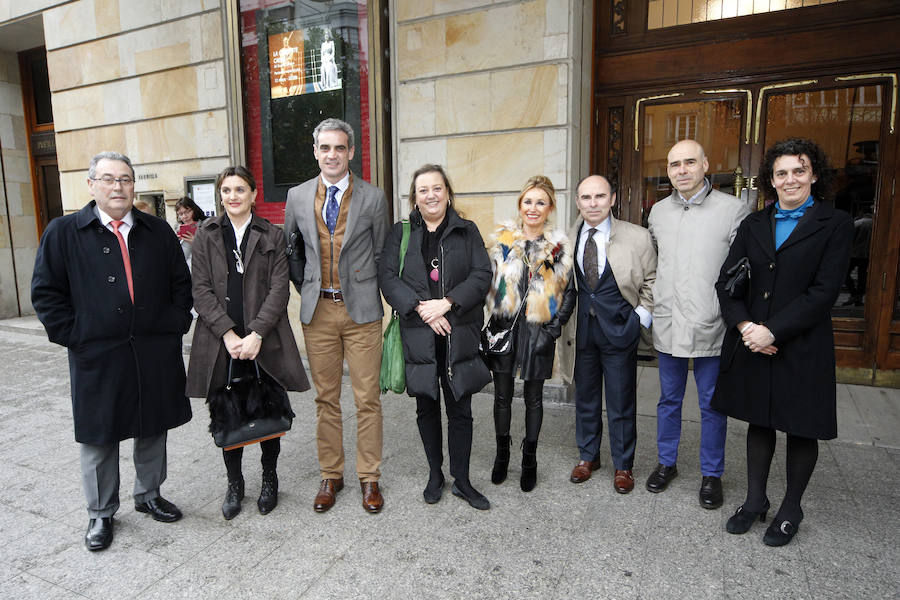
point(615, 267)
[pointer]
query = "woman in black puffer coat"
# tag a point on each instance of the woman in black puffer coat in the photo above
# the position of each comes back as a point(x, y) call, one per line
point(439, 298)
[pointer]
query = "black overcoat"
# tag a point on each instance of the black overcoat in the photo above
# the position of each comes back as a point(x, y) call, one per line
point(465, 277)
point(266, 293)
point(125, 361)
point(792, 291)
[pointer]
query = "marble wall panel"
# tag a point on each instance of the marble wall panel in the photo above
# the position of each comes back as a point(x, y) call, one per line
point(11, 99)
point(87, 20)
point(177, 138)
point(463, 104)
point(502, 36)
point(413, 9)
point(25, 258)
point(9, 68)
point(165, 46)
point(13, 9)
point(416, 109)
point(526, 97)
point(8, 304)
point(74, 149)
point(413, 155)
point(421, 51)
point(496, 162)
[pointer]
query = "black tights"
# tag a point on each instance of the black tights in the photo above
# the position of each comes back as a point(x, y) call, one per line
point(802, 454)
point(534, 407)
point(270, 451)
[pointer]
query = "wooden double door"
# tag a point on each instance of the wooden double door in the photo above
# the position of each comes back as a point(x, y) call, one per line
point(849, 110)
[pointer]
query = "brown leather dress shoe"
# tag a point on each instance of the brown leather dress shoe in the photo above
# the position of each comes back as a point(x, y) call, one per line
point(327, 494)
point(582, 471)
point(372, 498)
point(623, 481)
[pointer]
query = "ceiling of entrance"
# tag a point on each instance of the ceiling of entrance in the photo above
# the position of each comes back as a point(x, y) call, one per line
point(22, 35)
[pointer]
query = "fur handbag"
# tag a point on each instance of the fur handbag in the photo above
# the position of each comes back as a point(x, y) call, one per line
point(248, 409)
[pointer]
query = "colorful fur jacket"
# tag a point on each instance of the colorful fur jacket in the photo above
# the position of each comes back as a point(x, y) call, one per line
point(550, 264)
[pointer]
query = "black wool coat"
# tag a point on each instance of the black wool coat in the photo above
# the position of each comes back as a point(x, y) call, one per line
point(125, 361)
point(792, 291)
point(465, 277)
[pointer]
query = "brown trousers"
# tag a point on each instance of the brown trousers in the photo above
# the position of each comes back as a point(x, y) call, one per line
point(331, 337)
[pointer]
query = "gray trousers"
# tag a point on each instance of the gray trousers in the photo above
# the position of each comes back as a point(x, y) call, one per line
point(100, 473)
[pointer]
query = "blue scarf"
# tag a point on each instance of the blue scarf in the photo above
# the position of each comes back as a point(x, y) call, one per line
point(786, 221)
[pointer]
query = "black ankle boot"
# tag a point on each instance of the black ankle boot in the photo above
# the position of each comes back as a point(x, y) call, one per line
point(501, 461)
point(529, 465)
point(268, 493)
point(233, 496)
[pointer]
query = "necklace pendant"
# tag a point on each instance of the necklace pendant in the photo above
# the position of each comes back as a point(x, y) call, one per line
point(435, 275)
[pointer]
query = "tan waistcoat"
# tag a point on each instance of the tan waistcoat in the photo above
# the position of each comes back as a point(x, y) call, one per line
point(330, 246)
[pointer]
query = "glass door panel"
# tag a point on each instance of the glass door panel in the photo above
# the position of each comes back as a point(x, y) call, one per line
point(846, 123)
point(715, 124)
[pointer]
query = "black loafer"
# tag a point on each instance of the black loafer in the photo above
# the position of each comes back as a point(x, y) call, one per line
point(661, 477)
point(711, 496)
point(160, 509)
point(99, 534)
point(434, 489)
point(780, 532)
point(475, 498)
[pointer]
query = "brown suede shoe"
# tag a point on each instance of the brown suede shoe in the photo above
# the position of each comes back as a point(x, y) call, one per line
point(582, 471)
point(623, 481)
point(327, 494)
point(372, 498)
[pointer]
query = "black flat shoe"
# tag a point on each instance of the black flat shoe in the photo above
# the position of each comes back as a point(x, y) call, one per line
point(435, 488)
point(473, 496)
point(780, 533)
point(160, 509)
point(99, 534)
point(742, 520)
point(711, 496)
point(661, 477)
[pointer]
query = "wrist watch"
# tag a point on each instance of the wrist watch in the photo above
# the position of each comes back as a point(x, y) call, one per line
point(259, 337)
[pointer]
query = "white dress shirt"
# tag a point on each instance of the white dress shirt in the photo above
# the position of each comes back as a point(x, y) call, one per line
point(124, 228)
point(342, 186)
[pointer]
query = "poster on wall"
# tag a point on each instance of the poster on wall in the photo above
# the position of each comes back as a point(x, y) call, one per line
point(297, 68)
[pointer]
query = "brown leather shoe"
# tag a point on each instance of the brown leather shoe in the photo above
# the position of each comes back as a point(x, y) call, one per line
point(623, 481)
point(582, 471)
point(327, 494)
point(372, 498)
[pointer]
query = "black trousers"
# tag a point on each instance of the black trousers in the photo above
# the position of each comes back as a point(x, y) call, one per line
point(459, 423)
point(270, 451)
point(533, 393)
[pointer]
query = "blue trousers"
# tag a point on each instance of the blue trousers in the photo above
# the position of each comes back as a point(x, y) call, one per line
point(672, 381)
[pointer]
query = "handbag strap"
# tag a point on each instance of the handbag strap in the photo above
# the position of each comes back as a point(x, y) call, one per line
point(231, 362)
point(404, 244)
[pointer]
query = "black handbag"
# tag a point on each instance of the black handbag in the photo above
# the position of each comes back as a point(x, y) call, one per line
point(738, 278)
point(497, 335)
point(248, 409)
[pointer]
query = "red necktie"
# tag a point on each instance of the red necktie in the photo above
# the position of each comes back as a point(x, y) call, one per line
point(125, 258)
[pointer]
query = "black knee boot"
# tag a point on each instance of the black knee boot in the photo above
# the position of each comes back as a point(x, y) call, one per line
point(529, 465)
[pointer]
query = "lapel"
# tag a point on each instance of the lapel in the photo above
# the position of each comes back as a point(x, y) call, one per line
point(353, 211)
point(576, 236)
point(811, 222)
point(762, 232)
point(253, 234)
point(310, 227)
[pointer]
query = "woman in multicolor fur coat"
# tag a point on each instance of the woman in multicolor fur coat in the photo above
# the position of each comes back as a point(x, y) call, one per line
point(534, 264)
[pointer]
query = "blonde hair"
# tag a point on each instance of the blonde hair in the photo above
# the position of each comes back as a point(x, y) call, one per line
point(542, 183)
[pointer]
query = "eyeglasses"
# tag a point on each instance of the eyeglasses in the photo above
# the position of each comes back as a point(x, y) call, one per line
point(110, 180)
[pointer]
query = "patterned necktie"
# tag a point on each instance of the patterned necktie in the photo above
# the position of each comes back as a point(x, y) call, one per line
point(331, 209)
point(125, 258)
point(591, 271)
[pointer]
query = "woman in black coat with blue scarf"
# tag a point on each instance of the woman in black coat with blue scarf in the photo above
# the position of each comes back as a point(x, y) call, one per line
point(777, 367)
point(438, 298)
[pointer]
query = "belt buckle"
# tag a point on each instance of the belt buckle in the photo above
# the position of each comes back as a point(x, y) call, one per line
point(337, 297)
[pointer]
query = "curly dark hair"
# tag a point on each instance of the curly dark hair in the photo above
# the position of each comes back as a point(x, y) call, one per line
point(821, 168)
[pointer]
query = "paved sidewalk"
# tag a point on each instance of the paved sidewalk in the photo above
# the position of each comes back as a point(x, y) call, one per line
point(559, 541)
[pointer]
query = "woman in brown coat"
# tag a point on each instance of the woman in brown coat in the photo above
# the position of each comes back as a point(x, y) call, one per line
point(241, 291)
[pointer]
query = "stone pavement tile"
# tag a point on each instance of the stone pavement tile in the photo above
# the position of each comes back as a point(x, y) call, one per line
point(861, 586)
point(46, 496)
point(599, 580)
point(861, 465)
point(219, 569)
point(853, 426)
point(56, 554)
point(28, 587)
point(16, 524)
point(682, 571)
point(879, 408)
point(753, 570)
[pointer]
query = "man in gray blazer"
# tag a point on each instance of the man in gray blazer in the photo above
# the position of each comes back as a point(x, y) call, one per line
point(336, 224)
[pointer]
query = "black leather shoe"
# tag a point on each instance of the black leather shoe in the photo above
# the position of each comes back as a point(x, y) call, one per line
point(711, 496)
point(99, 534)
point(475, 498)
point(268, 493)
point(160, 509)
point(661, 477)
point(780, 532)
point(742, 520)
point(435, 488)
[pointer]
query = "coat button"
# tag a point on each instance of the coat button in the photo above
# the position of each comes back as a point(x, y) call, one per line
point(765, 295)
point(771, 266)
point(687, 207)
point(111, 279)
point(105, 249)
point(119, 310)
